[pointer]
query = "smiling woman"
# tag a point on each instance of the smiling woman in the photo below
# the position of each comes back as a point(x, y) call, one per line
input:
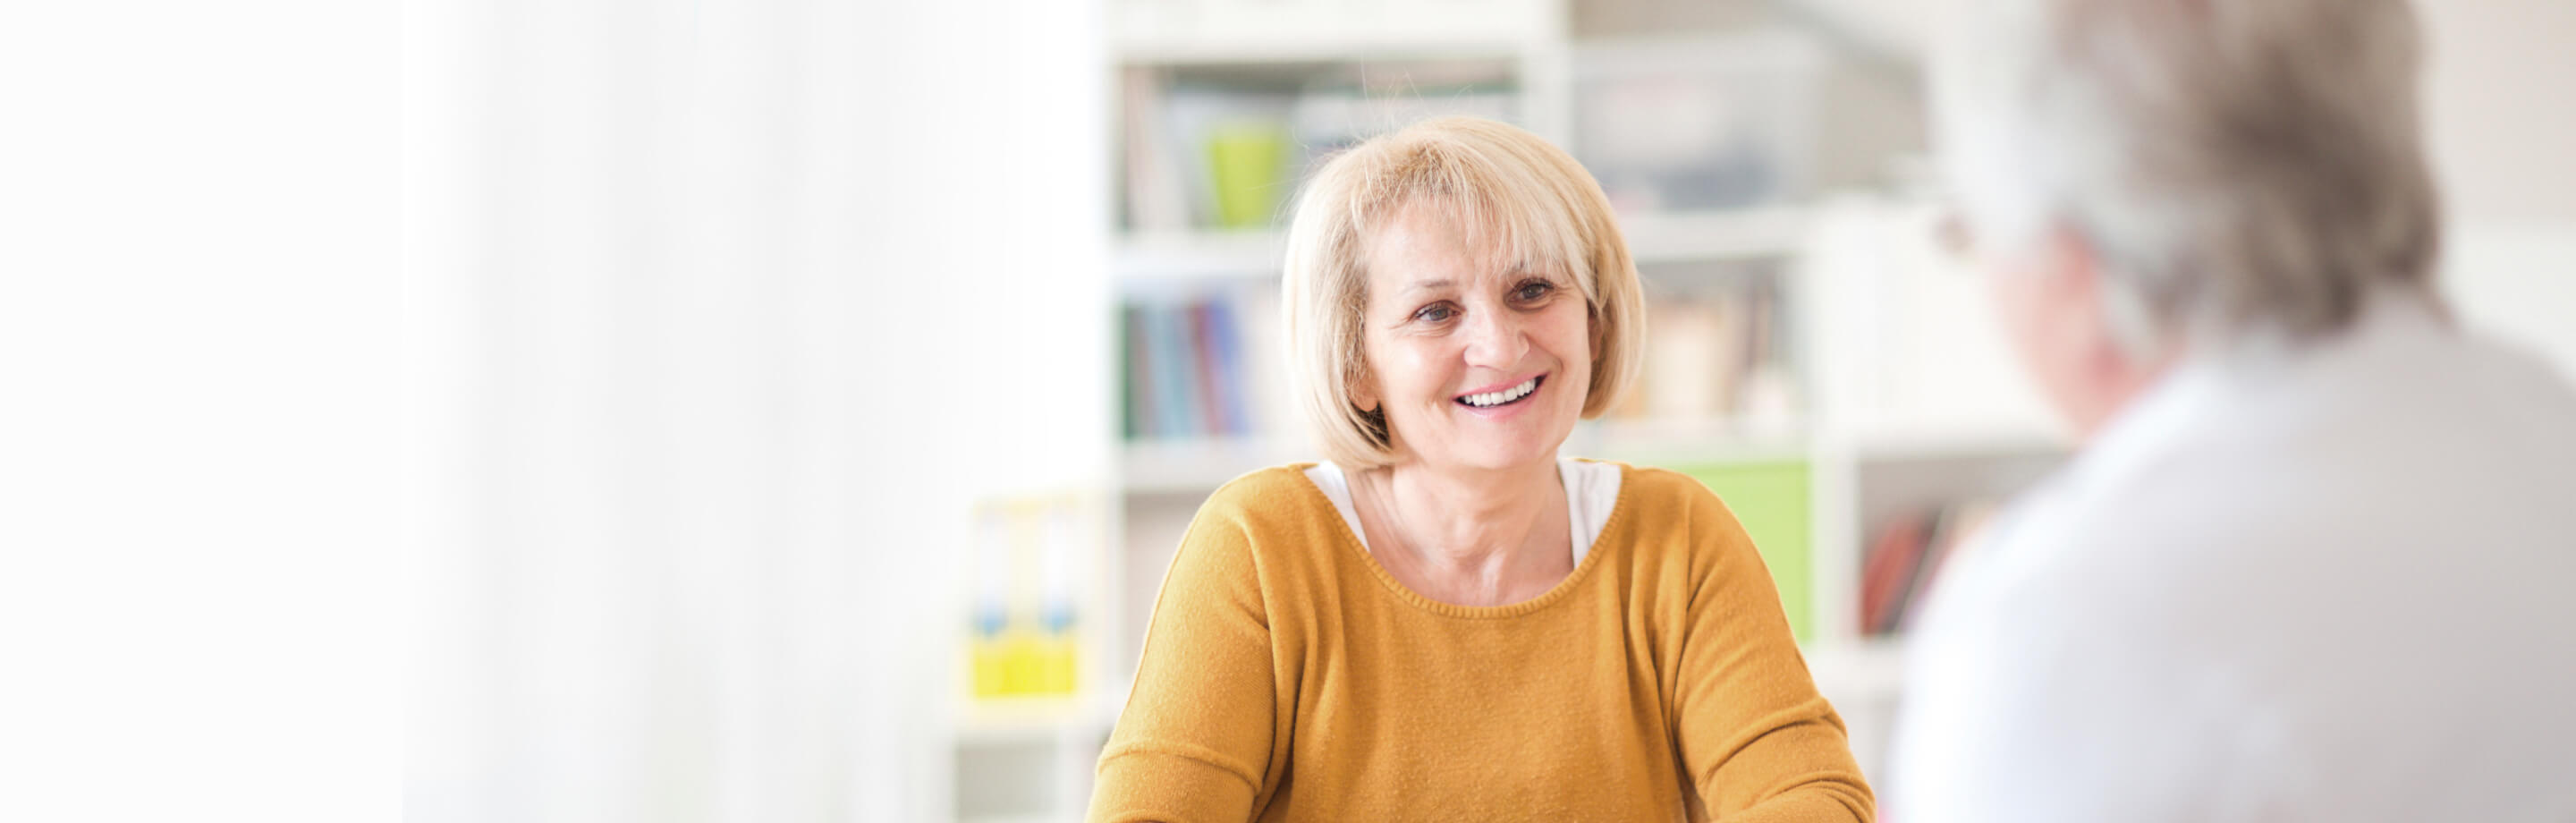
point(1463, 341)
point(1446, 620)
point(1444, 206)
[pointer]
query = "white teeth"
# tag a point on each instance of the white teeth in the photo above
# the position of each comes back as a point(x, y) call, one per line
point(1504, 396)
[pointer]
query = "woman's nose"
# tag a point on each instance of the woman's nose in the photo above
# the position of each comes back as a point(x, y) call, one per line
point(1495, 339)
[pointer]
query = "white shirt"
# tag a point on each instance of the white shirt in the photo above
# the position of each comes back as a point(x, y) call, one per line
point(1591, 491)
point(2338, 585)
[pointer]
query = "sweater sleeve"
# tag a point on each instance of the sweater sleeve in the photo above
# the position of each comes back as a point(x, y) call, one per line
point(1760, 743)
point(1197, 737)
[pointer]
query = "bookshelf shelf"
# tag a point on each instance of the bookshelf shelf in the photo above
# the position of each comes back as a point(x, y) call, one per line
point(1197, 467)
point(1221, 256)
point(1265, 31)
point(1859, 668)
point(1944, 439)
point(1188, 256)
point(988, 727)
point(1762, 231)
point(1716, 440)
point(1169, 48)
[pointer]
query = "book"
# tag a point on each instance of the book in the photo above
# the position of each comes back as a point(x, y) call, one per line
point(1204, 367)
point(1938, 528)
point(1905, 559)
point(1893, 553)
point(1156, 196)
point(1231, 376)
point(1169, 354)
point(1207, 368)
point(1139, 420)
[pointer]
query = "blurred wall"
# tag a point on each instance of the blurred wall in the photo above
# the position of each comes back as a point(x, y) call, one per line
point(722, 314)
point(2499, 114)
point(2497, 107)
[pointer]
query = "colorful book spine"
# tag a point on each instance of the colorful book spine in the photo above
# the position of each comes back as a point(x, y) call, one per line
point(1207, 368)
point(1233, 372)
point(1174, 378)
point(1135, 374)
point(1189, 370)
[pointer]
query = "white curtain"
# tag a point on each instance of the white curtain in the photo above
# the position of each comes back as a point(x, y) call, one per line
point(720, 316)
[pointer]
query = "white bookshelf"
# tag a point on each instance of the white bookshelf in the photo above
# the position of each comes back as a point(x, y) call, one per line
point(1756, 232)
point(1866, 450)
point(1320, 30)
point(1224, 257)
point(1193, 468)
point(1198, 257)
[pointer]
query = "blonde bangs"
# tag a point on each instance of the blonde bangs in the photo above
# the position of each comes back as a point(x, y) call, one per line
point(1497, 203)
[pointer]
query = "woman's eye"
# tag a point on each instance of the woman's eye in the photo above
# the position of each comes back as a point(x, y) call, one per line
point(1534, 289)
point(1434, 313)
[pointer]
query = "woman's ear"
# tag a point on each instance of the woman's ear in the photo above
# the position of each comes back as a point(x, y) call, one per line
point(1362, 388)
point(1592, 323)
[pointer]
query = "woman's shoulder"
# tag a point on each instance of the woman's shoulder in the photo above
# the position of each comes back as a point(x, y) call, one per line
point(1277, 489)
point(1664, 511)
point(1276, 502)
point(1263, 523)
point(1658, 490)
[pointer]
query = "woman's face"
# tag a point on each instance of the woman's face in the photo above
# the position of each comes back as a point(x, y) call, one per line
point(1475, 364)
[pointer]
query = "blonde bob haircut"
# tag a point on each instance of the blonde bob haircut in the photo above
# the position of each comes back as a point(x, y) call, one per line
point(1509, 192)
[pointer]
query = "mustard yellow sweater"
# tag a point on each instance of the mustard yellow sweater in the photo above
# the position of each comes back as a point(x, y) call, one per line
point(1287, 677)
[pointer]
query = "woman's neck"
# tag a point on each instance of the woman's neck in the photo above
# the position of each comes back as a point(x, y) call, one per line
point(1480, 536)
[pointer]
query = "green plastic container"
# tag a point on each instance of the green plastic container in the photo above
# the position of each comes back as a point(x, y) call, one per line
point(1248, 163)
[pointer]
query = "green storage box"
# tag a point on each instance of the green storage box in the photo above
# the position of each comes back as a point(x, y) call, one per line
point(1770, 498)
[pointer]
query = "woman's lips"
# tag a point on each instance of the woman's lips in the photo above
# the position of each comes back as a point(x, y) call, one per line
point(1502, 395)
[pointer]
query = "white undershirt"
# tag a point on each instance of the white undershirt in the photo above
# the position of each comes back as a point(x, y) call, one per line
point(1591, 490)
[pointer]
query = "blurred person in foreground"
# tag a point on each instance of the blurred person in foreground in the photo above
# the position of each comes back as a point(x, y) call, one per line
point(2313, 561)
point(1446, 620)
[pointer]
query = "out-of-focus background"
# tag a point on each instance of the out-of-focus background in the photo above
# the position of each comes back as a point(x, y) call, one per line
point(807, 396)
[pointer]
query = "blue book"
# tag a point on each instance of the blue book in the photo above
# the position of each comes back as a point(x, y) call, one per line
point(1209, 369)
point(1175, 385)
point(1137, 375)
point(1233, 381)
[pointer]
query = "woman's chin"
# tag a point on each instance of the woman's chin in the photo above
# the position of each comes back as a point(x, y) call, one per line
point(1501, 453)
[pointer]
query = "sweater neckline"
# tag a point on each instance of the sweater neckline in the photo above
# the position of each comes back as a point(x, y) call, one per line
point(1358, 551)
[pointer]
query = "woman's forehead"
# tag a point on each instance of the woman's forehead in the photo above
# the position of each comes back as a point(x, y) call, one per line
point(1440, 239)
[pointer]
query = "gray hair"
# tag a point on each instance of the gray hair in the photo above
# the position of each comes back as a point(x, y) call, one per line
point(2238, 165)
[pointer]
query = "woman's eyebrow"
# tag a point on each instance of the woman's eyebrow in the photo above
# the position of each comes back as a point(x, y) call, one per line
point(1429, 285)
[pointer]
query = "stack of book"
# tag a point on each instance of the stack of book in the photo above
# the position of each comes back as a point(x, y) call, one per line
point(1904, 556)
point(1198, 369)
